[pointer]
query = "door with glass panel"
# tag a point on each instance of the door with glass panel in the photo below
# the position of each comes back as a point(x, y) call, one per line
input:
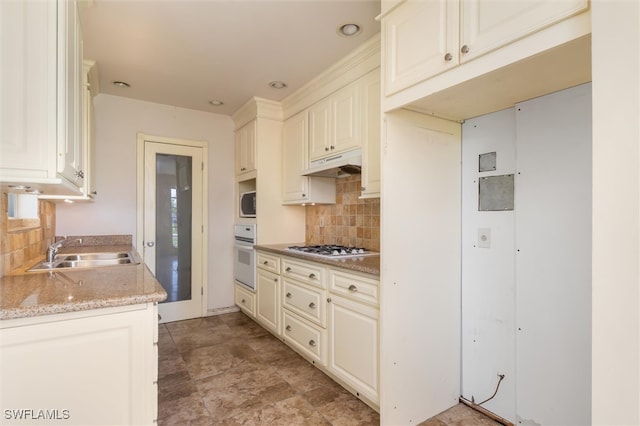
point(172, 240)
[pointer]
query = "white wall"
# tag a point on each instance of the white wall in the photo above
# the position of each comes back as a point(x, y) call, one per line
point(488, 271)
point(118, 121)
point(420, 268)
point(616, 212)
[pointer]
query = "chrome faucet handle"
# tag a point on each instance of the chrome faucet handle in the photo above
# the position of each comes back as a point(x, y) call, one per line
point(52, 250)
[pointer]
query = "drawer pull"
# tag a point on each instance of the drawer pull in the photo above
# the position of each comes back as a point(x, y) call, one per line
point(242, 301)
point(288, 269)
point(266, 262)
point(312, 305)
point(353, 288)
point(312, 343)
point(288, 328)
point(312, 276)
point(288, 296)
point(275, 279)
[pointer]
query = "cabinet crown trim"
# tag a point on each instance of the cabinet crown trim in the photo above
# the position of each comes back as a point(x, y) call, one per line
point(257, 108)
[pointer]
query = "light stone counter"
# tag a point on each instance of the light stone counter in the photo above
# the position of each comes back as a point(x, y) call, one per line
point(29, 294)
point(367, 264)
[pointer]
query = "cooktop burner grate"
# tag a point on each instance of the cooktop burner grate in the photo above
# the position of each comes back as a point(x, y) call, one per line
point(331, 250)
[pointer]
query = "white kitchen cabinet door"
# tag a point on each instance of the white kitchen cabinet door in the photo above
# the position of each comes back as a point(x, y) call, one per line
point(245, 300)
point(345, 119)
point(370, 101)
point(70, 93)
point(41, 85)
point(298, 189)
point(487, 25)
point(268, 300)
point(354, 346)
point(89, 369)
point(417, 36)
point(320, 129)
point(245, 148)
point(295, 158)
point(334, 123)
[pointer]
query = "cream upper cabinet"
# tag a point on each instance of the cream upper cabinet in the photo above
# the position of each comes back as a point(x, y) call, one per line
point(299, 189)
point(70, 93)
point(334, 123)
point(295, 158)
point(245, 150)
point(419, 40)
point(41, 125)
point(370, 95)
point(487, 25)
point(424, 38)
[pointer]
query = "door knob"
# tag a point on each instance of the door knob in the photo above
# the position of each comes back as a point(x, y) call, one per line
point(150, 243)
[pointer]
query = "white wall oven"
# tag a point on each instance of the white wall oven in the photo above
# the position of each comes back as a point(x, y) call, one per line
point(244, 255)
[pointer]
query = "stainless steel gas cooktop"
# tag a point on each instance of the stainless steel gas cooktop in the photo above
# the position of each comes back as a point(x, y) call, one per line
point(332, 250)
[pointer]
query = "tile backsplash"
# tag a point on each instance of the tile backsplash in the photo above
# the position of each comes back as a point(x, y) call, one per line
point(22, 243)
point(351, 221)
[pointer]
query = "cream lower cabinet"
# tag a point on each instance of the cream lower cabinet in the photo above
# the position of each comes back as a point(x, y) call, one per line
point(329, 316)
point(268, 300)
point(245, 299)
point(82, 368)
point(353, 323)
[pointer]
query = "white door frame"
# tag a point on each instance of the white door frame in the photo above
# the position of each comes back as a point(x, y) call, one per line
point(142, 137)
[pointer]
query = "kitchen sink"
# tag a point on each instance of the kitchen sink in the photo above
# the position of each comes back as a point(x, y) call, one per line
point(86, 260)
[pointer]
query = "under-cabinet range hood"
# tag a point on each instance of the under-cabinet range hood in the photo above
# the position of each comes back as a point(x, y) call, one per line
point(336, 166)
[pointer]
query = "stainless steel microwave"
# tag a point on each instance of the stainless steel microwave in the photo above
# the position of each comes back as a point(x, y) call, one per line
point(248, 204)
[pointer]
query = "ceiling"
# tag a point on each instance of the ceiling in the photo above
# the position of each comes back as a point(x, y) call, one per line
point(186, 53)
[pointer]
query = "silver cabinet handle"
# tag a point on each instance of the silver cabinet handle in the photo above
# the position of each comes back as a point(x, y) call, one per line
point(312, 305)
point(150, 243)
point(288, 296)
point(464, 49)
point(312, 343)
point(448, 57)
point(312, 276)
point(353, 288)
point(288, 328)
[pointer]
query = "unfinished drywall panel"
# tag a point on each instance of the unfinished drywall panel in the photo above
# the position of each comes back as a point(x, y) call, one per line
point(553, 258)
point(420, 268)
point(488, 265)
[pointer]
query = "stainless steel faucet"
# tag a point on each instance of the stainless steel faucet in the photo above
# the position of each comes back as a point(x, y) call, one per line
point(52, 250)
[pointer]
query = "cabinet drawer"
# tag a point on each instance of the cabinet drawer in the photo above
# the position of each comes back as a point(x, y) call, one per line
point(268, 262)
point(309, 273)
point(308, 302)
point(307, 338)
point(245, 300)
point(356, 287)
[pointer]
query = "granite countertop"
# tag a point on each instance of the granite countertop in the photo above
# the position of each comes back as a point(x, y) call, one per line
point(29, 294)
point(367, 264)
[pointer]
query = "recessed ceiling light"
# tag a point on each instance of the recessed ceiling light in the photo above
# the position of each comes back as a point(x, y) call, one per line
point(121, 84)
point(278, 84)
point(349, 30)
point(216, 102)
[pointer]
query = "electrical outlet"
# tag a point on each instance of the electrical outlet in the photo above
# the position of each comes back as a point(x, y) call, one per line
point(321, 221)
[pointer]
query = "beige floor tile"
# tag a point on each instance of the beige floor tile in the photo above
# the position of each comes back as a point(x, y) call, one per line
point(227, 370)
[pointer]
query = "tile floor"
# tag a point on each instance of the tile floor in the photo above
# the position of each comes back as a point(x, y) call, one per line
point(227, 370)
